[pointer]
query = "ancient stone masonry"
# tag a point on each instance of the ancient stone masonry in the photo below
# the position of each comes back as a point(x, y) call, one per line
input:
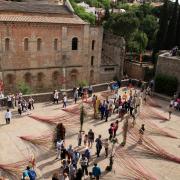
point(169, 65)
point(113, 53)
point(47, 49)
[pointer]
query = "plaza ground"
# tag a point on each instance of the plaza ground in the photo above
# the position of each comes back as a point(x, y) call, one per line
point(13, 149)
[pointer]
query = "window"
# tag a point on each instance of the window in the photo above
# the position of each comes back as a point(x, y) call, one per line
point(93, 44)
point(74, 43)
point(39, 44)
point(40, 77)
point(26, 44)
point(109, 69)
point(28, 78)
point(92, 60)
point(55, 44)
point(7, 41)
point(10, 79)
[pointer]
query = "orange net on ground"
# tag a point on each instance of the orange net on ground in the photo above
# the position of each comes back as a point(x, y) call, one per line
point(153, 128)
point(150, 146)
point(153, 103)
point(130, 166)
point(43, 141)
point(13, 171)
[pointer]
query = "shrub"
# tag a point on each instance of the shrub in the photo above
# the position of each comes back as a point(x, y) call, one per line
point(166, 84)
point(24, 88)
point(83, 83)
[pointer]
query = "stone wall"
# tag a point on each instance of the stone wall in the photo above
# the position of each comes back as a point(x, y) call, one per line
point(45, 69)
point(169, 65)
point(113, 54)
point(44, 97)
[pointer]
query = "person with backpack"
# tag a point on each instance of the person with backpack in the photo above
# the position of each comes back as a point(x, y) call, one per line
point(96, 171)
point(98, 145)
point(31, 173)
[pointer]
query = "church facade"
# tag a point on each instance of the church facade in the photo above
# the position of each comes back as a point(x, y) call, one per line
point(47, 46)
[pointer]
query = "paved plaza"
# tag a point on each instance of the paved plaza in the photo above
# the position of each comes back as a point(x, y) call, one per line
point(13, 149)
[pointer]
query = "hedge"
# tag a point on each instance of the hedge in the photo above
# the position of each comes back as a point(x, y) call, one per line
point(166, 84)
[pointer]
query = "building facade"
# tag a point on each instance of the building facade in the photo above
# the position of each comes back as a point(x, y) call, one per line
point(47, 46)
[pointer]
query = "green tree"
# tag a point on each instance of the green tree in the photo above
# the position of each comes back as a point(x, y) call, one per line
point(138, 43)
point(80, 11)
point(178, 31)
point(163, 24)
point(149, 25)
point(123, 24)
point(171, 33)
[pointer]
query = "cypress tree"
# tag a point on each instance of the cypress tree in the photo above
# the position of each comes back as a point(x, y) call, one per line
point(171, 33)
point(178, 31)
point(163, 24)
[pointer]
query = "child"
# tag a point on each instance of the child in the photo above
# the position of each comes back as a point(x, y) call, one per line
point(141, 132)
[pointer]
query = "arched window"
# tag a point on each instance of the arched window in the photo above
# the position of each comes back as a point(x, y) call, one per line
point(10, 79)
point(55, 77)
point(7, 44)
point(28, 78)
point(92, 60)
point(55, 44)
point(75, 43)
point(39, 44)
point(26, 44)
point(93, 44)
point(40, 77)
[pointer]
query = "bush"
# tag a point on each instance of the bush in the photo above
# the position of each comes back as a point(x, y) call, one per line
point(83, 83)
point(166, 84)
point(24, 88)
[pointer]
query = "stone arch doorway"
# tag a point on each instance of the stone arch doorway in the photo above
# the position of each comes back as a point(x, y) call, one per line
point(40, 80)
point(74, 77)
point(28, 78)
point(91, 78)
point(56, 79)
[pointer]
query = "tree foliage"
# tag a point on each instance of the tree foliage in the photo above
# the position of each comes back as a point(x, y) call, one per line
point(80, 11)
point(171, 32)
point(123, 24)
point(166, 84)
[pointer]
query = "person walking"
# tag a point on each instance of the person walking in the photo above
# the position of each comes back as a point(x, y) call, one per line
point(98, 145)
point(56, 97)
point(96, 171)
point(75, 96)
point(90, 138)
point(8, 116)
point(106, 147)
point(64, 101)
point(84, 164)
point(59, 145)
point(31, 103)
point(31, 173)
point(116, 126)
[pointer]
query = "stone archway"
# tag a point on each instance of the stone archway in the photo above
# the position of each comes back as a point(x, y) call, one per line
point(74, 77)
point(91, 77)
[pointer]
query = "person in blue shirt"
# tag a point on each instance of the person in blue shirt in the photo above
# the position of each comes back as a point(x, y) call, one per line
point(96, 171)
point(31, 173)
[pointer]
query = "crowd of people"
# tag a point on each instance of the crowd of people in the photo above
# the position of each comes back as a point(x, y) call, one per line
point(75, 163)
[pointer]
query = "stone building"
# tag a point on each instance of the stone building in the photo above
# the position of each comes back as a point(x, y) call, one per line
point(169, 65)
point(113, 54)
point(47, 46)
